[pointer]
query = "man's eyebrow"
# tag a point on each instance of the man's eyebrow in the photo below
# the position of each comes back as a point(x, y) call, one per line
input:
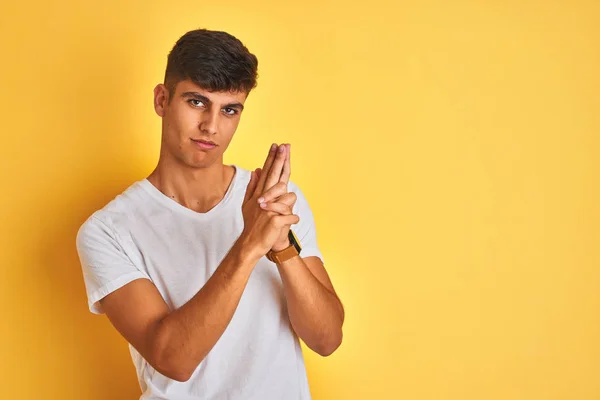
point(206, 100)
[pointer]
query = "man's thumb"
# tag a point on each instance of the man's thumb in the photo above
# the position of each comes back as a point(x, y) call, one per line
point(251, 186)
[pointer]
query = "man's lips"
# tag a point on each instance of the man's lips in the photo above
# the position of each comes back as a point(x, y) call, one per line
point(205, 141)
point(203, 144)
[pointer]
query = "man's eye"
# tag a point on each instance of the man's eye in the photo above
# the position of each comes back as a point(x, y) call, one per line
point(195, 105)
point(230, 111)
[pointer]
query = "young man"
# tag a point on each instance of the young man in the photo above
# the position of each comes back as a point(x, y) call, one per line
point(195, 265)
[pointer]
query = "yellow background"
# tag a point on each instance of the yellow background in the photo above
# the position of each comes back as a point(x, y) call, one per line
point(449, 150)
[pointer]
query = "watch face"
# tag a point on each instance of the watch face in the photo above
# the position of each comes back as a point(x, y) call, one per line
point(294, 241)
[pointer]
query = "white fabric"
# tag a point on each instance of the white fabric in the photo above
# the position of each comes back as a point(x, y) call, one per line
point(143, 233)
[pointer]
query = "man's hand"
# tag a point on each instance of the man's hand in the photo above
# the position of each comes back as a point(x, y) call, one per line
point(262, 228)
point(276, 197)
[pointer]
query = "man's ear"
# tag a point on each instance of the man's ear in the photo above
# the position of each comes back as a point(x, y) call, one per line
point(161, 99)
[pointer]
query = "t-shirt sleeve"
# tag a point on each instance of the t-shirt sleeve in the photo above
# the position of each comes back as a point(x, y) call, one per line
point(106, 267)
point(305, 230)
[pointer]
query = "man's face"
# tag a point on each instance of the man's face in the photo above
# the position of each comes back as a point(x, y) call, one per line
point(195, 114)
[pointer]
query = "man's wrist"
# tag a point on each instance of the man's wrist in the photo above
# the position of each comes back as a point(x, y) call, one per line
point(245, 251)
point(283, 246)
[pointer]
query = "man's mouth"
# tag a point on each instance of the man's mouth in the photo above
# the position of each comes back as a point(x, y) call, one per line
point(204, 144)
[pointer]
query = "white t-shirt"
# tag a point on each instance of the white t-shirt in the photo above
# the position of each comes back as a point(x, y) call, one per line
point(143, 233)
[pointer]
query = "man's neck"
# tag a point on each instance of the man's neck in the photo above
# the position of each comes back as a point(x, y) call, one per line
point(199, 189)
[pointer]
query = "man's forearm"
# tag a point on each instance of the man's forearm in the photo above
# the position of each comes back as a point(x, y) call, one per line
point(187, 334)
point(315, 312)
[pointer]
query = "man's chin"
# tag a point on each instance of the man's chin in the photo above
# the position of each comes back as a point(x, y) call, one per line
point(201, 162)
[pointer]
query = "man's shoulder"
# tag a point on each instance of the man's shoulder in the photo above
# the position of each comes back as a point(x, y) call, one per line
point(119, 209)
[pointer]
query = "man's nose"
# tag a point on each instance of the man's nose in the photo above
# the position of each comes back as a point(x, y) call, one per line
point(209, 121)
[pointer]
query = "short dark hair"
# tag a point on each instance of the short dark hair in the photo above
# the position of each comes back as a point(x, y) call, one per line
point(214, 60)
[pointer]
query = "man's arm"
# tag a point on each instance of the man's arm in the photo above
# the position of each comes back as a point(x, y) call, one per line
point(316, 313)
point(174, 343)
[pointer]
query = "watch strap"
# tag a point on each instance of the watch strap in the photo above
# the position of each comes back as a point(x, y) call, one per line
point(279, 257)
